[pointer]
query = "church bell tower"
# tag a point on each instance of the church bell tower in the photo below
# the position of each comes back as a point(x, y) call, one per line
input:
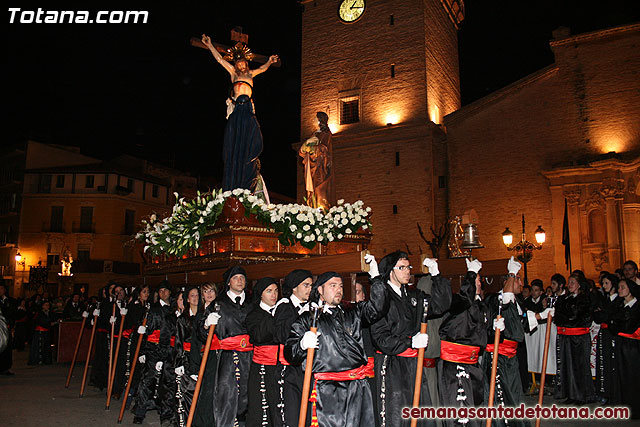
point(386, 73)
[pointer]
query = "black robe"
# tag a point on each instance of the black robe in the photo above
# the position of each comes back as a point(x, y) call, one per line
point(341, 348)
point(73, 313)
point(186, 343)
point(605, 366)
point(157, 387)
point(205, 412)
point(230, 394)
point(263, 390)
point(508, 389)
point(133, 319)
point(291, 375)
point(466, 324)
point(626, 320)
point(100, 363)
point(40, 351)
point(392, 336)
point(573, 380)
point(20, 336)
point(242, 146)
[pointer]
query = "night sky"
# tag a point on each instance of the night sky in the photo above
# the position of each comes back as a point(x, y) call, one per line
point(142, 89)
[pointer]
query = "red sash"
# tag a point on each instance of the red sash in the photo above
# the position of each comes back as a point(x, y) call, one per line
point(154, 337)
point(186, 346)
point(265, 354)
point(215, 344)
point(127, 333)
point(237, 343)
point(369, 372)
point(281, 356)
point(350, 375)
point(458, 353)
point(104, 331)
point(572, 331)
point(42, 329)
point(506, 348)
point(634, 336)
point(604, 326)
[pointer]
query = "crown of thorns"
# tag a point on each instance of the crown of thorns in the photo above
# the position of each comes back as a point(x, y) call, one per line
point(238, 52)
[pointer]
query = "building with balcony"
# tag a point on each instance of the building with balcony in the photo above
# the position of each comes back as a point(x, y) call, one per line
point(91, 209)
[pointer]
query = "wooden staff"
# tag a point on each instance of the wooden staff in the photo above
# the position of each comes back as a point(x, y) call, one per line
point(547, 339)
point(113, 331)
point(86, 364)
point(133, 368)
point(203, 365)
point(494, 363)
point(75, 352)
point(306, 385)
point(418, 385)
point(112, 374)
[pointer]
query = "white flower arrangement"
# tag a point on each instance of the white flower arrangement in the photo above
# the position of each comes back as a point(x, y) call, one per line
point(184, 229)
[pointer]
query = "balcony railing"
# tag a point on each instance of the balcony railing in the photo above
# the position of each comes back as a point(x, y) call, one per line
point(84, 227)
point(48, 227)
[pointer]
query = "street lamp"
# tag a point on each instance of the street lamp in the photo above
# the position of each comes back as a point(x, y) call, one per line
point(524, 248)
point(19, 260)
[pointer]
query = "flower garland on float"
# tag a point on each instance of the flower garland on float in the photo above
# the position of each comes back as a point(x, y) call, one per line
point(184, 229)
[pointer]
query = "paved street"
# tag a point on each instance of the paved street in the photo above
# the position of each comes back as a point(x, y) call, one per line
point(36, 396)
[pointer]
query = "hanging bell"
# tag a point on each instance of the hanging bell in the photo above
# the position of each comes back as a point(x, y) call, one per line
point(470, 239)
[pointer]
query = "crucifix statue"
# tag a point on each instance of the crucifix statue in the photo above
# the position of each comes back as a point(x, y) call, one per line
point(242, 136)
point(235, 60)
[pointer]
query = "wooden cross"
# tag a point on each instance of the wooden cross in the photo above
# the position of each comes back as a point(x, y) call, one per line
point(237, 36)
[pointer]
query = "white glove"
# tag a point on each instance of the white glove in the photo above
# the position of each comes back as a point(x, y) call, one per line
point(212, 319)
point(419, 340)
point(91, 322)
point(158, 366)
point(180, 371)
point(112, 319)
point(547, 312)
point(142, 359)
point(123, 311)
point(85, 314)
point(432, 265)
point(309, 340)
point(474, 265)
point(96, 312)
point(498, 324)
point(513, 266)
point(142, 330)
point(194, 377)
point(373, 265)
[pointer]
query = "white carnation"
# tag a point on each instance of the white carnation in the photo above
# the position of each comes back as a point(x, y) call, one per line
point(306, 227)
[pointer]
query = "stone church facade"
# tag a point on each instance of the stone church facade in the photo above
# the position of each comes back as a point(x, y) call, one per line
point(405, 146)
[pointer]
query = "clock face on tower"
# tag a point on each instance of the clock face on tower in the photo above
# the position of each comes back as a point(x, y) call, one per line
point(351, 10)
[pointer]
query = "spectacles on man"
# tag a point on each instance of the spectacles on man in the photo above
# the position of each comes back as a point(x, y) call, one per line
point(403, 267)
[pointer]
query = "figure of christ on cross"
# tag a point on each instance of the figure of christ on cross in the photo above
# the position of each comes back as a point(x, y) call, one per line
point(241, 75)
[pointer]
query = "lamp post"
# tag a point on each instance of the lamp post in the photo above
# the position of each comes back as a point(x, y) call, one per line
point(524, 248)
